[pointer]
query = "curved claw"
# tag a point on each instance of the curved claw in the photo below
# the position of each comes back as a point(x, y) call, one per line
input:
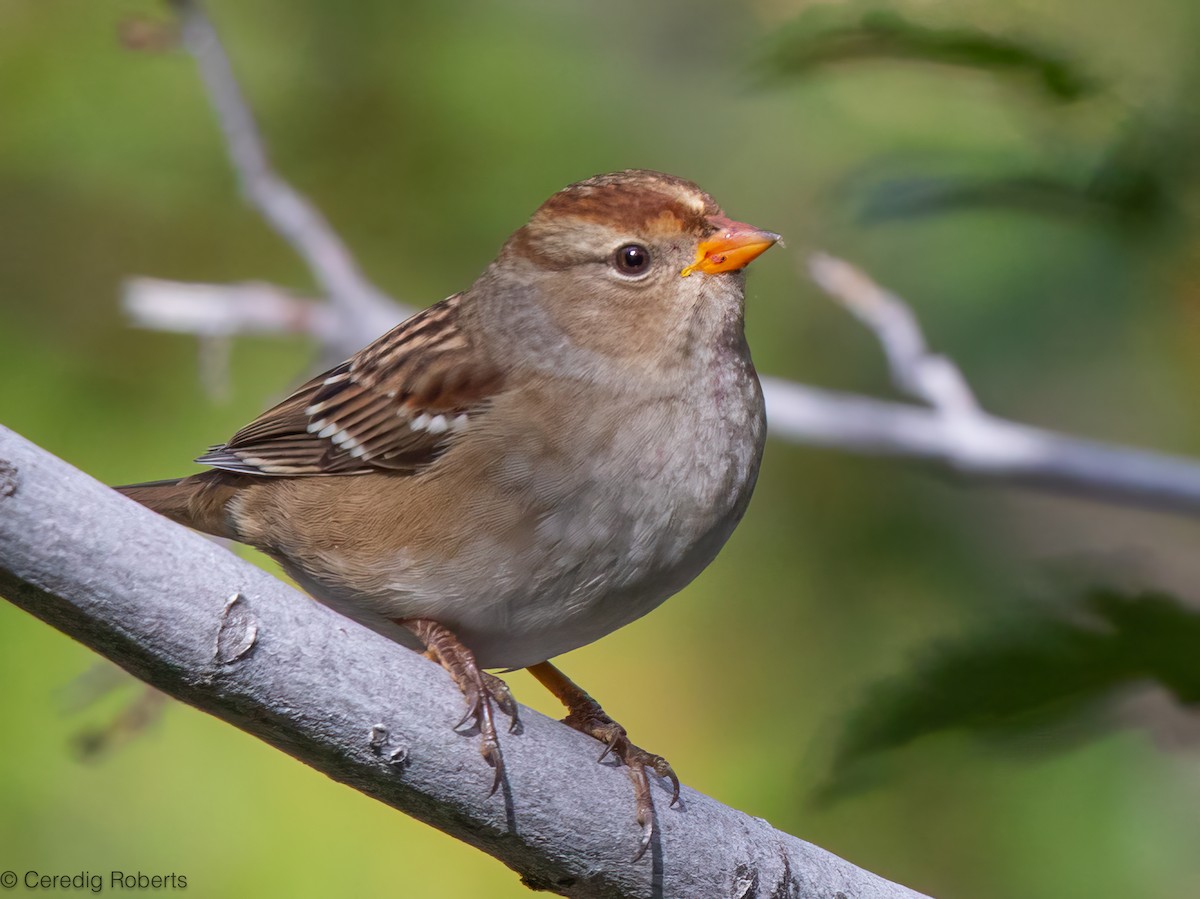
point(493, 756)
point(479, 688)
point(647, 836)
point(471, 714)
point(489, 746)
point(584, 714)
point(663, 769)
point(500, 693)
point(644, 803)
point(615, 737)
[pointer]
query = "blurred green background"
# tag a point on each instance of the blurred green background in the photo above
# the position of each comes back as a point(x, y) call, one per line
point(1022, 172)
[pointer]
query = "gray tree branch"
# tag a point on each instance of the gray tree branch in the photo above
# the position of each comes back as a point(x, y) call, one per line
point(190, 618)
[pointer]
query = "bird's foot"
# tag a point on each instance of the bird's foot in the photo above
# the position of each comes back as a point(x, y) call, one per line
point(480, 689)
point(585, 714)
point(592, 720)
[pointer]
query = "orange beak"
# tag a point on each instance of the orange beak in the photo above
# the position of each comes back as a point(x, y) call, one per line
point(733, 247)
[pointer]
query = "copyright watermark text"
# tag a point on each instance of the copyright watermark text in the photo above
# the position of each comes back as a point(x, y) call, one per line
point(91, 881)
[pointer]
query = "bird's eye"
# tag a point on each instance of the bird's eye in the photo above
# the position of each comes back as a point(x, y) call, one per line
point(632, 259)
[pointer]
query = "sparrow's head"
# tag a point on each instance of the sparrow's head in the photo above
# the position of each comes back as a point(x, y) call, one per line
point(640, 252)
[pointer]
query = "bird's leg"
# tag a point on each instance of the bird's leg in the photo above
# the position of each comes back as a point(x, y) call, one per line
point(478, 687)
point(584, 714)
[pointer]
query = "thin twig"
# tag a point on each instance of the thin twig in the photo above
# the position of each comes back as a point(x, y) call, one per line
point(224, 310)
point(916, 371)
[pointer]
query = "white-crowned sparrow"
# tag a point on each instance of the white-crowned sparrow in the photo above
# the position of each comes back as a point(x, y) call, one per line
point(524, 467)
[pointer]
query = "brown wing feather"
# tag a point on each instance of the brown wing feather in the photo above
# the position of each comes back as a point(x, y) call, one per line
point(395, 405)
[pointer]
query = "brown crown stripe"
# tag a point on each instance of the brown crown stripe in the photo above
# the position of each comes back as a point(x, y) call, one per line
point(635, 199)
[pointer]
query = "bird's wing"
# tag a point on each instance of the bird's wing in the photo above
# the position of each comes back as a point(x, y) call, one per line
point(395, 405)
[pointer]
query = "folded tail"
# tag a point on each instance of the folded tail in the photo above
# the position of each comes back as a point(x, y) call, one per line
point(198, 501)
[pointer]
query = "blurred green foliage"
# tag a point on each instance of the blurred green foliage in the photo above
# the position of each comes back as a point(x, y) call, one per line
point(1054, 666)
point(824, 36)
point(427, 132)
